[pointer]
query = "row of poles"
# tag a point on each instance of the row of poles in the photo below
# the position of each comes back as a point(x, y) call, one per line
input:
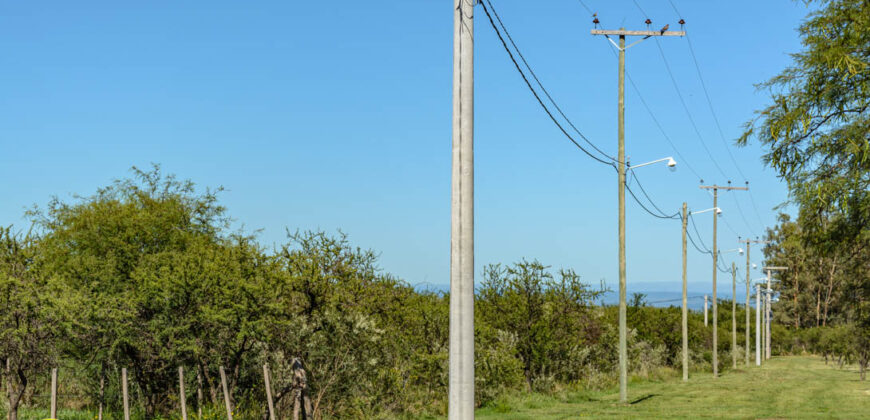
point(181, 393)
point(461, 339)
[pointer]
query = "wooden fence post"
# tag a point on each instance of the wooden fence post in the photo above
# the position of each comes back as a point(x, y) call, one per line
point(53, 413)
point(102, 395)
point(269, 403)
point(226, 394)
point(182, 396)
point(199, 395)
point(125, 397)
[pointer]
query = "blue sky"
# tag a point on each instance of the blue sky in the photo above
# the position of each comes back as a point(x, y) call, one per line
point(336, 115)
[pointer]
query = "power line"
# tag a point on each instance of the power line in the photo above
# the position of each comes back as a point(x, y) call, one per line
point(696, 245)
point(683, 159)
point(695, 227)
point(586, 7)
point(643, 190)
point(712, 111)
point(541, 102)
point(639, 8)
point(546, 109)
point(646, 106)
point(728, 225)
point(686, 108)
point(743, 216)
point(662, 216)
point(718, 126)
point(754, 207)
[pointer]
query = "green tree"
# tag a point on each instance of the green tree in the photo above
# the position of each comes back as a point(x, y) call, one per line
point(546, 314)
point(816, 128)
point(151, 282)
point(817, 132)
point(28, 324)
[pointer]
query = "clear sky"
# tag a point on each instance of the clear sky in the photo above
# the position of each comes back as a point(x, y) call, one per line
point(337, 115)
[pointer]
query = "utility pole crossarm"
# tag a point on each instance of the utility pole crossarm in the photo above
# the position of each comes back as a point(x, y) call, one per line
point(775, 268)
point(726, 188)
point(637, 33)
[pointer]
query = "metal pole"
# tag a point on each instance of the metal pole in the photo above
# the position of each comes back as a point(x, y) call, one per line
point(748, 345)
point(53, 413)
point(768, 312)
point(685, 304)
point(733, 315)
point(715, 303)
point(757, 325)
point(182, 396)
point(461, 346)
point(125, 396)
point(269, 403)
point(620, 163)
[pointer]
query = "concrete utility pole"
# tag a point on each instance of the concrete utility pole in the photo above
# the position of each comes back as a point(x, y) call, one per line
point(460, 404)
point(685, 303)
point(621, 165)
point(733, 315)
point(757, 325)
point(716, 189)
point(748, 267)
point(706, 305)
point(748, 309)
point(768, 311)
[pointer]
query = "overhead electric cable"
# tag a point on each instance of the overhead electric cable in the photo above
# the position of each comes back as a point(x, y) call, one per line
point(586, 7)
point(646, 209)
point(695, 227)
point(686, 108)
point(643, 190)
point(743, 216)
point(716, 119)
point(535, 77)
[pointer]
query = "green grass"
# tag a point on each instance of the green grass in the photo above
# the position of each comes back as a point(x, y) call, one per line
point(785, 387)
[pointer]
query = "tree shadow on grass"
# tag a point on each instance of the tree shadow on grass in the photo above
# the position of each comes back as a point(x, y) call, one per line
point(644, 398)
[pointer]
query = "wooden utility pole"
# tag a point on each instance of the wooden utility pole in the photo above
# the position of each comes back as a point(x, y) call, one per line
point(716, 189)
point(621, 166)
point(460, 400)
point(733, 315)
point(685, 323)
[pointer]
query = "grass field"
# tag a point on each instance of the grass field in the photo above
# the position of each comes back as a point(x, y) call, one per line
point(785, 388)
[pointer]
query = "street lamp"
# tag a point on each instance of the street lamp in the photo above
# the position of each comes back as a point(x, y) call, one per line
point(718, 211)
point(672, 164)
